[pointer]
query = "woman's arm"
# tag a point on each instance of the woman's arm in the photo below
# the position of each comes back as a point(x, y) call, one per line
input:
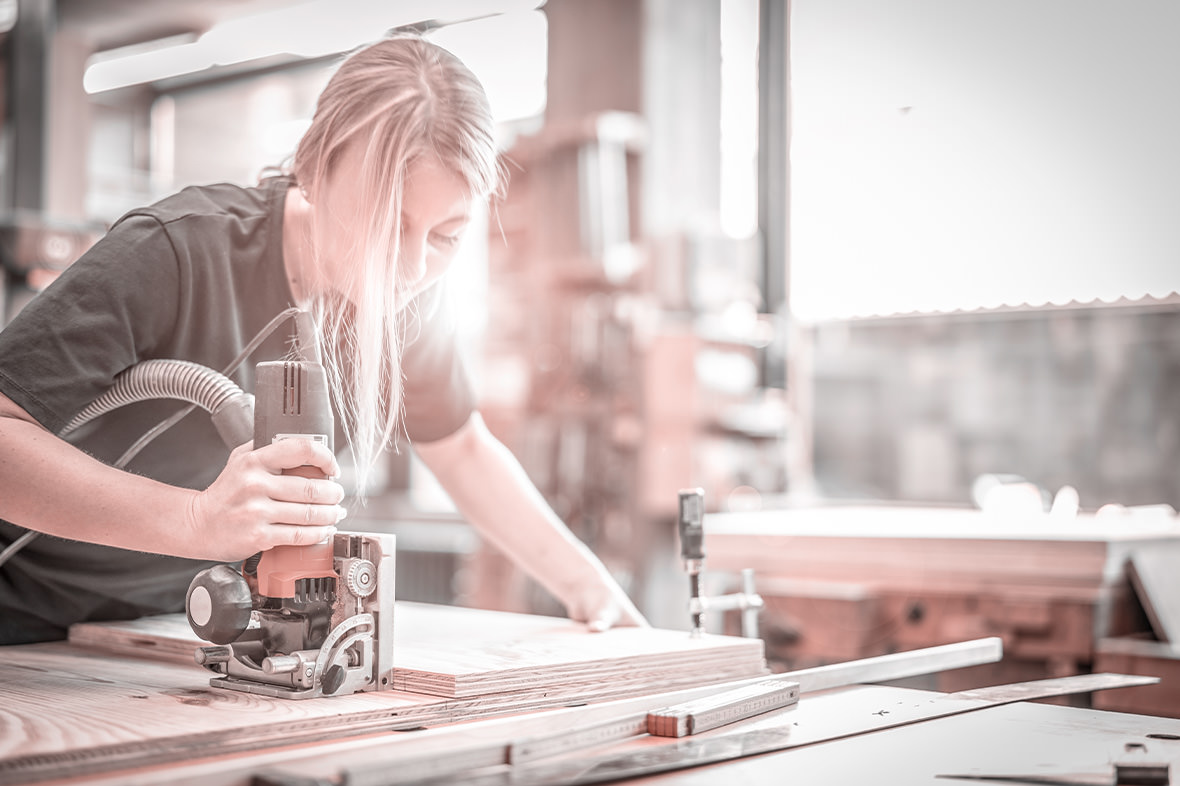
point(496, 496)
point(48, 485)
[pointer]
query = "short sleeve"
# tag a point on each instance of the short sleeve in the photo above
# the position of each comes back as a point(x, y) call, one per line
point(105, 313)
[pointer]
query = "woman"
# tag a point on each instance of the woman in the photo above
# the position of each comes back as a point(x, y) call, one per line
point(398, 158)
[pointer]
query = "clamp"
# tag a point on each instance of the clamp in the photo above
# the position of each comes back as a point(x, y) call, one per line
point(692, 551)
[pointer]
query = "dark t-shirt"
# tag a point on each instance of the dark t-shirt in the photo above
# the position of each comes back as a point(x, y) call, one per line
point(193, 277)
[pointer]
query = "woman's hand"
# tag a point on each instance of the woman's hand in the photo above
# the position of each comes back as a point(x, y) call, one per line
point(252, 506)
point(495, 495)
point(600, 602)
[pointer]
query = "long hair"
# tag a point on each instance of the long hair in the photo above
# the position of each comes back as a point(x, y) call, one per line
point(400, 99)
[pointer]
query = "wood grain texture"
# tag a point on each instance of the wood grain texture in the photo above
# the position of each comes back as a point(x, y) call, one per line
point(900, 750)
point(458, 652)
point(88, 706)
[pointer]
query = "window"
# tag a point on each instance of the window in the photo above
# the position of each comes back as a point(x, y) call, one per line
point(964, 155)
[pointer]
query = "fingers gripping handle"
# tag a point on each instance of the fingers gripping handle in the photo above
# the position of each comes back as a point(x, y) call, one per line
point(291, 401)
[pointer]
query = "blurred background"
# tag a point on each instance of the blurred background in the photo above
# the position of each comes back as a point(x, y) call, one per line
point(895, 283)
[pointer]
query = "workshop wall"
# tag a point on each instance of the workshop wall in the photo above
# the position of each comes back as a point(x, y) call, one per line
point(914, 408)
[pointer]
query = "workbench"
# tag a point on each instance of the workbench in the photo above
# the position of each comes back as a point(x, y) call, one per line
point(845, 581)
point(857, 734)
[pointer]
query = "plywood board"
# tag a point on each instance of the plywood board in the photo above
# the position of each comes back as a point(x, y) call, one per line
point(458, 652)
point(511, 651)
point(68, 709)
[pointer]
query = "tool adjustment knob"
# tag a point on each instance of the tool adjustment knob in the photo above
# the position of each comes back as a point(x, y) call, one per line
point(281, 664)
point(211, 656)
point(333, 679)
point(361, 578)
point(218, 604)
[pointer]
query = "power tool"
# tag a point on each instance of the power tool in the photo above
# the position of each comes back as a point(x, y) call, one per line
point(298, 621)
point(294, 622)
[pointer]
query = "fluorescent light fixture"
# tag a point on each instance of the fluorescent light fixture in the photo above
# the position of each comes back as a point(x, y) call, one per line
point(307, 30)
point(159, 60)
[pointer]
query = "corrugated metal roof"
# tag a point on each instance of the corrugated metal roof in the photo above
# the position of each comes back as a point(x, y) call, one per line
point(1146, 302)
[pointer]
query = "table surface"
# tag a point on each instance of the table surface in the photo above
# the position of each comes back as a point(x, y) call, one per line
point(1026, 737)
point(825, 733)
point(859, 734)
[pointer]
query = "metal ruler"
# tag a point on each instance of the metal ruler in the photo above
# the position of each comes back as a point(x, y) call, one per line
point(596, 725)
point(831, 716)
point(729, 704)
point(788, 729)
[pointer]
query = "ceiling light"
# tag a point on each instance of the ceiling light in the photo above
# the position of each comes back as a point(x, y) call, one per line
point(307, 30)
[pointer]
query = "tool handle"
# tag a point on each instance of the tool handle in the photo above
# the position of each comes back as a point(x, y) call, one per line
point(692, 526)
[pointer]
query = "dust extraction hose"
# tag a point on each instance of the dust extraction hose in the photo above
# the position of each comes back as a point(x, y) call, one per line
point(231, 408)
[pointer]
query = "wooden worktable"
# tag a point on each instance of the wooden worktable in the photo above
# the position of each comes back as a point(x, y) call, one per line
point(120, 695)
point(75, 715)
point(919, 549)
point(851, 581)
point(856, 735)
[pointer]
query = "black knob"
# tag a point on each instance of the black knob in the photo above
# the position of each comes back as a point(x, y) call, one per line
point(211, 656)
point(332, 680)
point(218, 604)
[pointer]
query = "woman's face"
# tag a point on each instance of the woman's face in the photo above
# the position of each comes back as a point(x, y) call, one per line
point(436, 210)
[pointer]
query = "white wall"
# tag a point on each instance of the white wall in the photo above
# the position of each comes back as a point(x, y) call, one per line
point(952, 154)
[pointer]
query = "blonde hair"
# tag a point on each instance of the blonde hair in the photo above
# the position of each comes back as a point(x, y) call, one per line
point(401, 98)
